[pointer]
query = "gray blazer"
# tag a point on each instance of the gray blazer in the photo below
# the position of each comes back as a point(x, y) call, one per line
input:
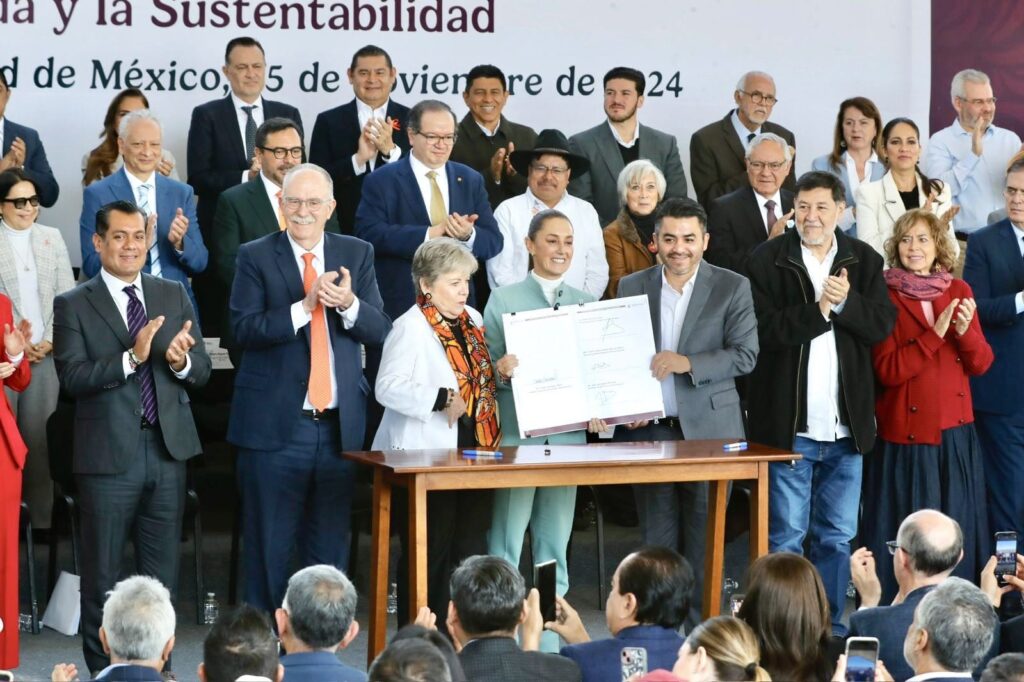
point(53, 270)
point(599, 185)
point(719, 336)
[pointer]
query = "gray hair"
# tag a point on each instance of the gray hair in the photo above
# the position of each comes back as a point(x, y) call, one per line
point(769, 137)
point(957, 87)
point(306, 168)
point(960, 623)
point(741, 84)
point(1004, 668)
point(537, 221)
point(133, 117)
point(634, 172)
point(321, 605)
point(925, 556)
point(438, 257)
point(138, 618)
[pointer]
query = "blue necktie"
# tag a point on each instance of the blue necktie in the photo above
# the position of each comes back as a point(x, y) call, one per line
point(153, 256)
point(147, 388)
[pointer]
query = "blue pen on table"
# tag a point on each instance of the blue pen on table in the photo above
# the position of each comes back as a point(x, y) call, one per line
point(473, 454)
point(735, 447)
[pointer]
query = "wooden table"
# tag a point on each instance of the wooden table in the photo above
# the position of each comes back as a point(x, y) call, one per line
point(553, 465)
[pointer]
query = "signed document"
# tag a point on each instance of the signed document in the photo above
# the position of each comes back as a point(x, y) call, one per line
point(582, 362)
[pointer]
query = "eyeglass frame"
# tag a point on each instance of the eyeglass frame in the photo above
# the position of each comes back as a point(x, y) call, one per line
point(24, 201)
point(773, 166)
point(294, 203)
point(757, 97)
point(892, 546)
point(979, 101)
point(554, 170)
point(434, 138)
point(282, 152)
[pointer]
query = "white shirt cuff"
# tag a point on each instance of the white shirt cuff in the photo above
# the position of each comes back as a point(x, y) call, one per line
point(300, 318)
point(16, 359)
point(126, 365)
point(358, 168)
point(1019, 300)
point(839, 308)
point(188, 367)
point(350, 315)
point(472, 238)
point(395, 155)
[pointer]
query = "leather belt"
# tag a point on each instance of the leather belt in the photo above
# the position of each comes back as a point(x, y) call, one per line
point(321, 415)
point(670, 422)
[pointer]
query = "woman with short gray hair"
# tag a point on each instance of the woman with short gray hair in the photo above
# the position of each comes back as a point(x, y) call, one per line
point(629, 239)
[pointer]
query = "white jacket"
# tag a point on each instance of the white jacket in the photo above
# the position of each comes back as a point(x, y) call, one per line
point(879, 207)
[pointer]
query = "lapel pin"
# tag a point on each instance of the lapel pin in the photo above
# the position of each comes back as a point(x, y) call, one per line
point(458, 178)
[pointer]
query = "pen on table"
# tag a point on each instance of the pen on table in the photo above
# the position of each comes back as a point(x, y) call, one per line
point(482, 453)
point(735, 447)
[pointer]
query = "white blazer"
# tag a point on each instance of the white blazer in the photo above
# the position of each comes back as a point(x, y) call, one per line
point(879, 207)
point(413, 367)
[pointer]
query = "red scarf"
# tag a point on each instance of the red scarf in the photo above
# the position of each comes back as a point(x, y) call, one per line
point(919, 287)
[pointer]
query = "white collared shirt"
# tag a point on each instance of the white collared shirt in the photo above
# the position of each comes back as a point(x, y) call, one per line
point(29, 303)
point(364, 112)
point(763, 210)
point(300, 318)
point(822, 362)
point(240, 115)
point(419, 171)
point(589, 267)
point(1018, 232)
point(272, 191)
point(150, 182)
point(674, 305)
point(853, 180)
point(1, 132)
point(627, 145)
point(487, 131)
point(741, 130)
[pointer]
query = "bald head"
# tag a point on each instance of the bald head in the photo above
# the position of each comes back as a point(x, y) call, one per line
point(933, 542)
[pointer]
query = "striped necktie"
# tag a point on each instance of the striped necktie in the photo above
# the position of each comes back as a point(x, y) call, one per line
point(147, 387)
point(153, 257)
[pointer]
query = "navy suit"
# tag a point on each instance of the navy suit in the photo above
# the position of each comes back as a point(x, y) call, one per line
point(995, 270)
point(130, 673)
point(599, 660)
point(889, 624)
point(335, 139)
point(290, 470)
point(393, 217)
point(37, 168)
point(319, 666)
point(170, 196)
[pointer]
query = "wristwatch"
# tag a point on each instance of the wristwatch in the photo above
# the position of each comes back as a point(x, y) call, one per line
point(133, 359)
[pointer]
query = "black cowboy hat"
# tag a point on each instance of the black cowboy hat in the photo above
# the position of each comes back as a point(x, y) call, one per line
point(549, 141)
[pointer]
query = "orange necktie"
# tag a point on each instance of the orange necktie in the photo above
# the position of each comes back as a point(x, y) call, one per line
point(281, 224)
point(319, 362)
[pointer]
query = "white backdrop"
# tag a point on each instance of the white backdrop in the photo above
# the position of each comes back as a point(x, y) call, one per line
point(820, 53)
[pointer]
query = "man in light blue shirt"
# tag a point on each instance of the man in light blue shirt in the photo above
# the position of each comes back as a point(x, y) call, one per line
point(972, 154)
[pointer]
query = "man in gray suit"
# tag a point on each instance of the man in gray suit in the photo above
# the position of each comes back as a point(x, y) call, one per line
point(619, 140)
point(706, 333)
point(126, 347)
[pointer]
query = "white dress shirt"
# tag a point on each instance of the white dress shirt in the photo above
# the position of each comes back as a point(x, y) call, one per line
point(1019, 298)
point(28, 279)
point(300, 318)
point(762, 200)
point(674, 305)
point(272, 191)
point(822, 362)
point(419, 171)
point(741, 130)
point(150, 182)
point(627, 145)
point(365, 113)
point(589, 268)
point(243, 118)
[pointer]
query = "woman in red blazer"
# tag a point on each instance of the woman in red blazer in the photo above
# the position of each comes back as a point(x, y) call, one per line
point(14, 374)
point(928, 455)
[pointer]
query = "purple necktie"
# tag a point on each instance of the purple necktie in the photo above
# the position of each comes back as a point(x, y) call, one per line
point(147, 389)
point(770, 216)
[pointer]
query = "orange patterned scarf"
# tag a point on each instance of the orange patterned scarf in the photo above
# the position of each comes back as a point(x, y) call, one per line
point(476, 378)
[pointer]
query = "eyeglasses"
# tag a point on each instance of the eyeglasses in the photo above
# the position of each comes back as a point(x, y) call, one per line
point(757, 97)
point(21, 202)
point(557, 171)
point(431, 138)
point(294, 203)
point(978, 102)
point(761, 165)
point(893, 546)
point(281, 152)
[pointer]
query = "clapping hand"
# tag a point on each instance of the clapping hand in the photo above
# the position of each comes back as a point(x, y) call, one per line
point(166, 166)
point(459, 226)
point(16, 338)
point(941, 325)
point(964, 314)
point(176, 234)
point(181, 344)
point(780, 225)
point(501, 164)
point(338, 295)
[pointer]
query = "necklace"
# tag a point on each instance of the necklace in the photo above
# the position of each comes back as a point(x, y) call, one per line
point(24, 262)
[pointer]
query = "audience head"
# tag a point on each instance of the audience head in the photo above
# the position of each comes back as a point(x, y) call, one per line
point(651, 586)
point(372, 75)
point(920, 244)
point(441, 269)
point(768, 161)
point(858, 128)
point(120, 239)
point(318, 611)
point(443, 644)
point(124, 103)
point(549, 166)
point(410, 660)
point(307, 201)
point(241, 642)
point(549, 240)
point(432, 133)
point(786, 606)
point(245, 66)
point(971, 92)
point(720, 649)
point(755, 98)
point(623, 93)
point(820, 201)
point(488, 598)
point(641, 187)
point(138, 622)
point(140, 143)
point(19, 199)
point(681, 235)
point(1004, 668)
point(278, 148)
point(952, 629)
point(486, 94)
point(1014, 191)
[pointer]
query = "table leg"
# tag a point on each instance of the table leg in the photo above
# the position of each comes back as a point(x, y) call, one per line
point(759, 513)
point(418, 546)
point(714, 554)
point(379, 564)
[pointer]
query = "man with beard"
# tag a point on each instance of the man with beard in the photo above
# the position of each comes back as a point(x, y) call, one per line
point(619, 140)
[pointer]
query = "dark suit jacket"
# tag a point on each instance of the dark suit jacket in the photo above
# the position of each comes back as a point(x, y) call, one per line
point(599, 185)
point(995, 271)
point(475, 149)
point(170, 196)
point(130, 673)
point(89, 341)
point(37, 168)
point(1011, 636)
point(393, 217)
point(718, 159)
point(335, 139)
point(600, 661)
point(216, 151)
point(736, 227)
point(244, 213)
point(270, 386)
point(319, 666)
point(889, 624)
point(499, 659)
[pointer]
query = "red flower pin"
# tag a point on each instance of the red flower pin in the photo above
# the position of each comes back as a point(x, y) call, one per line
point(395, 125)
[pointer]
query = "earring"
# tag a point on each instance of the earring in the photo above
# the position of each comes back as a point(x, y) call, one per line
point(842, 144)
point(427, 295)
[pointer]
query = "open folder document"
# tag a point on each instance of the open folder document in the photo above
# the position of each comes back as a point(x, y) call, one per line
point(580, 362)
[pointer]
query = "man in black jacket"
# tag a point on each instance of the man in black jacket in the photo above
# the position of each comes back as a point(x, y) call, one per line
point(821, 304)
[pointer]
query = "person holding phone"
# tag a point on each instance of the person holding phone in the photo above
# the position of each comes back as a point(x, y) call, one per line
point(928, 455)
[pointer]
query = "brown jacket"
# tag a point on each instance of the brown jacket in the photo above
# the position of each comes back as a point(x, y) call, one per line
point(624, 251)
